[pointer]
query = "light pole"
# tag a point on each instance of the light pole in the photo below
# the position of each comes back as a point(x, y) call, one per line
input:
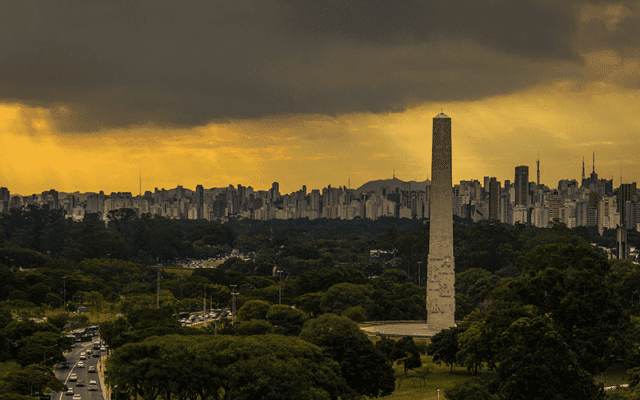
point(279, 287)
point(64, 292)
point(438, 394)
point(419, 280)
point(233, 304)
point(114, 390)
point(190, 297)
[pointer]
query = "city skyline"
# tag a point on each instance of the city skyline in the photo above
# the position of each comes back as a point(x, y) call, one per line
point(316, 94)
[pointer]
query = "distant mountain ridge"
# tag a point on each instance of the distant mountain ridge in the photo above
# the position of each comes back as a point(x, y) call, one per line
point(392, 184)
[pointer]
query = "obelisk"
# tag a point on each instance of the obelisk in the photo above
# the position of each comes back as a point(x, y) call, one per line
point(441, 303)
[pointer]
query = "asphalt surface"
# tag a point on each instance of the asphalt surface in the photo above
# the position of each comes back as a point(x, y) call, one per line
point(83, 373)
point(415, 329)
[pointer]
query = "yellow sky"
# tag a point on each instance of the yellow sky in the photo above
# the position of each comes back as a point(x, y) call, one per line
point(312, 93)
point(563, 122)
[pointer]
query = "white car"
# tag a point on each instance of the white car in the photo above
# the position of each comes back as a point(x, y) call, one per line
point(73, 377)
point(80, 364)
point(77, 396)
point(83, 356)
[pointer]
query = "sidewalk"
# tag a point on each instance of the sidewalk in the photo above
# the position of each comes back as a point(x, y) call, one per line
point(106, 390)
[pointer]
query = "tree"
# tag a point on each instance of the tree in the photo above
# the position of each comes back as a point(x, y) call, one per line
point(406, 352)
point(44, 348)
point(444, 346)
point(536, 363)
point(385, 346)
point(471, 389)
point(253, 309)
point(254, 327)
point(286, 319)
point(341, 296)
point(33, 379)
point(59, 320)
point(212, 234)
point(365, 369)
point(356, 314)
point(243, 368)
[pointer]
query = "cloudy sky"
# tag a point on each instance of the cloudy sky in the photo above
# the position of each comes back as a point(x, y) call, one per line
point(309, 93)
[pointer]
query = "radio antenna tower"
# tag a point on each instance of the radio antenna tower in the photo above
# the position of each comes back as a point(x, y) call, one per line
point(538, 163)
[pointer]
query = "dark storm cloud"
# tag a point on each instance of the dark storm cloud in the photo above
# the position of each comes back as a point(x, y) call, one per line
point(169, 63)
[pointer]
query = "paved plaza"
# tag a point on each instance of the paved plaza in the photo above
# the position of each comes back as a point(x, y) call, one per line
point(415, 329)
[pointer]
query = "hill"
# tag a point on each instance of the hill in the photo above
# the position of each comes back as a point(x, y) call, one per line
point(391, 185)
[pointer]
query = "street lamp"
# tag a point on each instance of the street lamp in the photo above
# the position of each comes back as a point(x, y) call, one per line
point(190, 297)
point(114, 390)
point(64, 292)
point(279, 287)
point(438, 394)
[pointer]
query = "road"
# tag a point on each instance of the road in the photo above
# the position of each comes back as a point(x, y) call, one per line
point(83, 373)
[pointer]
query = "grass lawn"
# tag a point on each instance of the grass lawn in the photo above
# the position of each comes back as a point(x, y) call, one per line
point(7, 367)
point(179, 271)
point(411, 387)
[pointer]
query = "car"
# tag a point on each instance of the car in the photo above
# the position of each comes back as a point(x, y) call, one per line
point(80, 383)
point(70, 392)
point(89, 351)
point(92, 368)
point(103, 348)
point(80, 364)
point(93, 385)
point(77, 396)
point(83, 356)
point(96, 354)
point(64, 365)
point(73, 377)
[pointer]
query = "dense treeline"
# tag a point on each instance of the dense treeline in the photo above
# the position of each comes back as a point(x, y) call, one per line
point(516, 288)
point(547, 331)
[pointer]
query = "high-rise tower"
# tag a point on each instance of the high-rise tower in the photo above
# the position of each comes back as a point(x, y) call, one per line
point(521, 184)
point(441, 302)
point(494, 199)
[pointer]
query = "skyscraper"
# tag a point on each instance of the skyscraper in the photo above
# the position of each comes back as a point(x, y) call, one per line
point(521, 184)
point(626, 191)
point(441, 278)
point(494, 198)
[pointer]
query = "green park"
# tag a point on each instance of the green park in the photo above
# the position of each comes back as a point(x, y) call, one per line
point(540, 313)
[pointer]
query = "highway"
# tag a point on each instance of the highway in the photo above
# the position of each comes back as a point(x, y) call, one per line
point(73, 357)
